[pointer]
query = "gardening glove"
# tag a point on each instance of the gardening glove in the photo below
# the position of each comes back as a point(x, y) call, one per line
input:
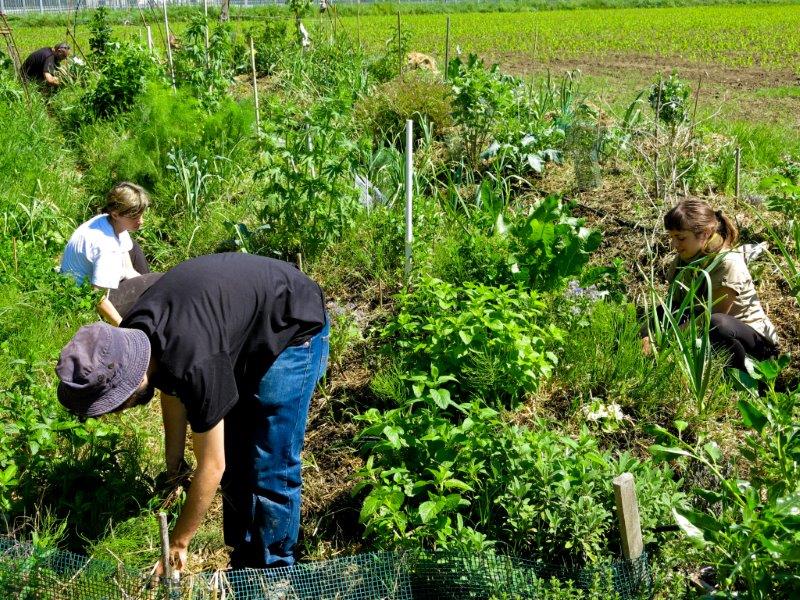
point(167, 481)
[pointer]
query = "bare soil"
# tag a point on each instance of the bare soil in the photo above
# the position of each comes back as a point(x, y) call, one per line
point(740, 94)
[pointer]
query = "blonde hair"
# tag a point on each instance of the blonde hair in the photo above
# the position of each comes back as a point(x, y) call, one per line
point(127, 200)
point(697, 216)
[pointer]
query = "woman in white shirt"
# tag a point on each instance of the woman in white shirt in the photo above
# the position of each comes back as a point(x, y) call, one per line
point(100, 249)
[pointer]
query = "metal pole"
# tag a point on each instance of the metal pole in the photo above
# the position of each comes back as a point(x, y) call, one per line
point(169, 46)
point(409, 193)
point(446, 47)
point(255, 83)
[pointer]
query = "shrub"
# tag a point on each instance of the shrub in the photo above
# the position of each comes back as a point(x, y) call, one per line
point(124, 70)
point(416, 95)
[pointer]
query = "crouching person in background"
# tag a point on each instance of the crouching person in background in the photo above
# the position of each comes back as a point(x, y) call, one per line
point(705, 238)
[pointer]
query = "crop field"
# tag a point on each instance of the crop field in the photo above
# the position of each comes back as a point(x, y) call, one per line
point(492, 372)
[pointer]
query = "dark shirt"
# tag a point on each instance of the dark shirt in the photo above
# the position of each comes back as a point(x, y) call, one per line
point(216, 323)
point(42, 61)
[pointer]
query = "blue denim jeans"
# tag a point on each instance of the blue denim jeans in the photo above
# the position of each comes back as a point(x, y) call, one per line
point(264, 438)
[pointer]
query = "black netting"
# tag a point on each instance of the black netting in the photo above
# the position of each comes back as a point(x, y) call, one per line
point(27, 573)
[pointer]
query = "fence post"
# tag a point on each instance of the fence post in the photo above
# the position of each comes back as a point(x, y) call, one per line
point(409, 194)
point(628, 516)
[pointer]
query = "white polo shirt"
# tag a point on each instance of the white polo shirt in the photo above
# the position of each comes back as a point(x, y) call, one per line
point(96, 253)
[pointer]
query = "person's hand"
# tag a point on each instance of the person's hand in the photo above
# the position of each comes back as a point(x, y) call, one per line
point(172, 478)
point(178, 557)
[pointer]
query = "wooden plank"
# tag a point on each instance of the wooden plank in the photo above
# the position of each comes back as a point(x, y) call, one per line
point(628, 516)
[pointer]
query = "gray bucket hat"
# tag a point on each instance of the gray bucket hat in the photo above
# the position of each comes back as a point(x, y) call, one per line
point(101, 367)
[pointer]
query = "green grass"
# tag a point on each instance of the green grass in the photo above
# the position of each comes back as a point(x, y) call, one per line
point(786, 91)
point(735, 35)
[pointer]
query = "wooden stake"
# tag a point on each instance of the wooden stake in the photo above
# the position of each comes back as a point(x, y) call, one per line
point(446, 46)
point(149, 39)
point(164, 528)
point(300, 260)
point(255, 83)
point(738, 157)
point(358, 21)
point(628, 516)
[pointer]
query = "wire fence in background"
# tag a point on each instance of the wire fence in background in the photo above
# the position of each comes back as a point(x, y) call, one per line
point(49, 6)
point(28, 573)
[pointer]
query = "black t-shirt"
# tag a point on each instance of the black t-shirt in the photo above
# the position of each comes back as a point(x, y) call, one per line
point(40, 62)
point(216, 323)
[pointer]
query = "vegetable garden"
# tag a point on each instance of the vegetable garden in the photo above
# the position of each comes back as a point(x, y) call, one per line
point(478, 404)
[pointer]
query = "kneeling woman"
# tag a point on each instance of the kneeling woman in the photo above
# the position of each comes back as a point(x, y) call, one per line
point(102, 251)
point(707, 239)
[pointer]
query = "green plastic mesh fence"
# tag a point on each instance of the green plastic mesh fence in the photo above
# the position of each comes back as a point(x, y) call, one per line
point(27, 574)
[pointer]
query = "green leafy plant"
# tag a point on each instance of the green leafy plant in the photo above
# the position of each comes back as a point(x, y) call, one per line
point(479, 483)
point(124, 71)
point(99, 33)
point(208, 73)
point(750, 530)
point(481, 97)
point(551, 245)
point(486, 338)
point(669, 98)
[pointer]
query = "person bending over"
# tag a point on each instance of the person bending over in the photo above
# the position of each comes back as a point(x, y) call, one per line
point(705, 238)
point(236, 343)
point(101, 251)
point(41, 65)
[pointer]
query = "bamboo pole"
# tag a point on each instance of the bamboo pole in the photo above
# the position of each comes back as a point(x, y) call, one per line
point(409, 194)
point(169, 46)
point(205, 13)
point(255, 83)
point(446, 46)
point(399, 47)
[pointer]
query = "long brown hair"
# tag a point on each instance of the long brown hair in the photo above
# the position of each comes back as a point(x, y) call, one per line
point(697, 216)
